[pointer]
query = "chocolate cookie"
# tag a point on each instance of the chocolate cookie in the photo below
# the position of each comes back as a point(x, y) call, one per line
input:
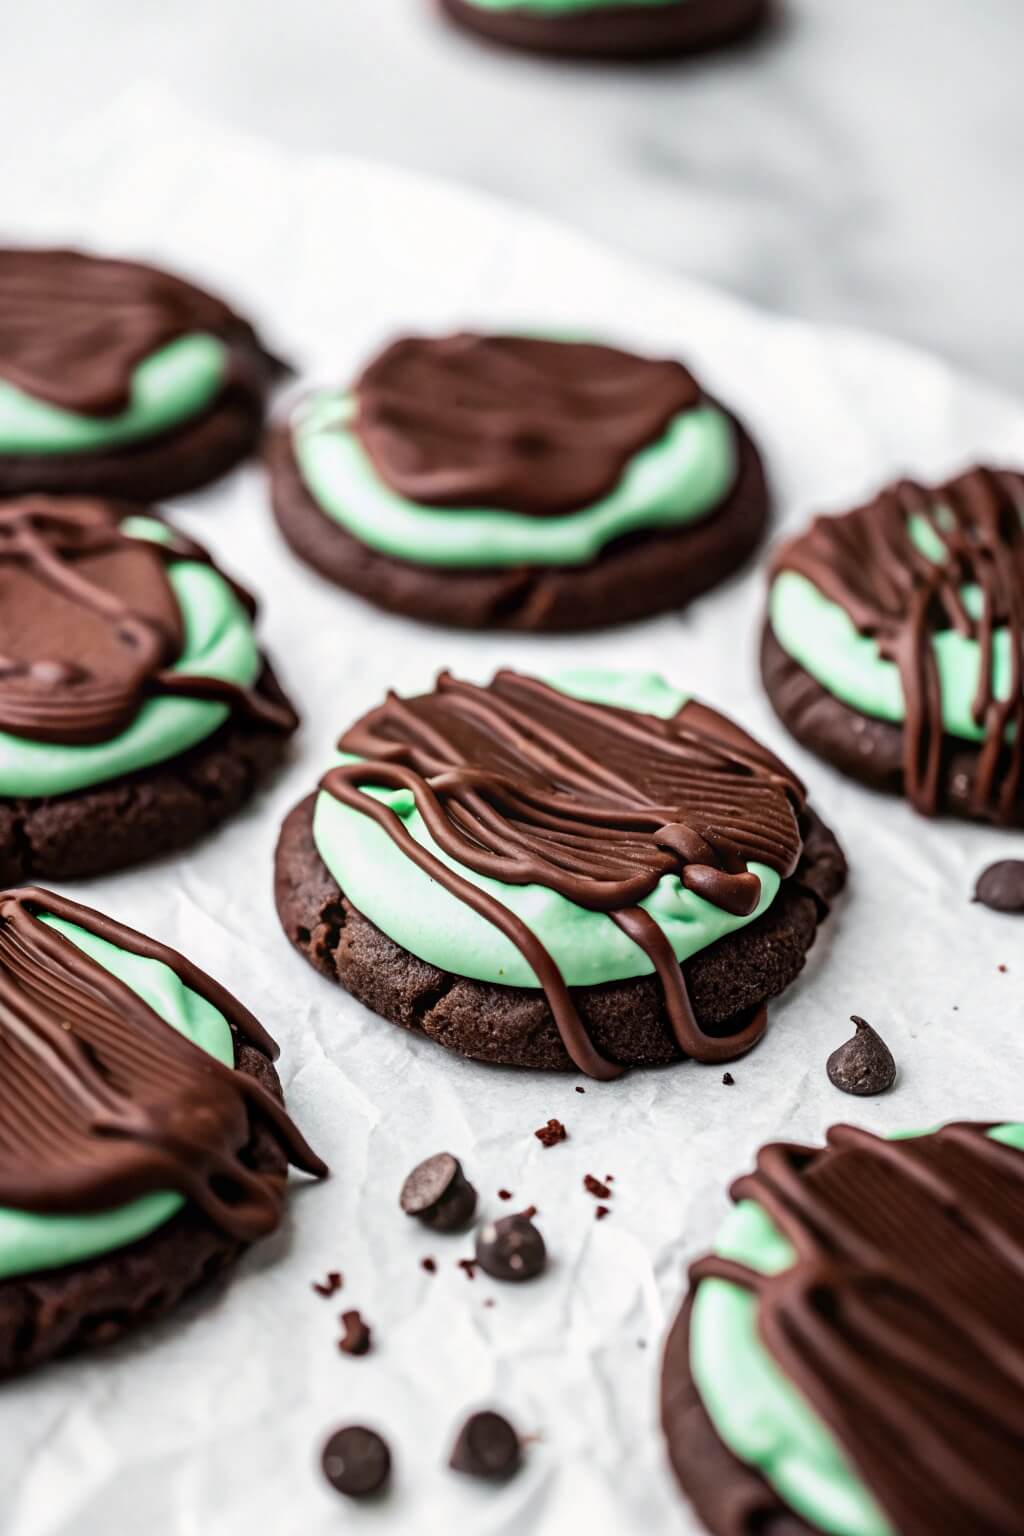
point(850, 1366)
point(595, 873)
point(136, 710)
point(514, 483)
point(145, 1145)
point(120, 380)
point(880, 623)
point(603, 29)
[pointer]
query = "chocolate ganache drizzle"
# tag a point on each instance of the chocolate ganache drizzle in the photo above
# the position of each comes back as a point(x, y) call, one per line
point(532, 426)
point(90, 626)
point(868, 563)
point(102, 1101)
point(900, 1320)
point(74, 327)
point(522, 783)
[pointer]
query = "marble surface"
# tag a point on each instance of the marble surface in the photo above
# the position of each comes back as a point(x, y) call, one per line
point(860, 165)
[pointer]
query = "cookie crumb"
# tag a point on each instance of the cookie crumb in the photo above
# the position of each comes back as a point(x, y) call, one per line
point(579, 1089)
point(504, 1194)
point(429, 1264)
point(333, 1282)
point(728, 1080)
point(551, 1134)
point(1003, 969)
point(356, 1338)
point(469, 1267)
point(595, 1187)
point(602, 1211)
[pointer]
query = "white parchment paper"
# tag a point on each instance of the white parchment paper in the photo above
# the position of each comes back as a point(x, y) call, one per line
point(209, 1424)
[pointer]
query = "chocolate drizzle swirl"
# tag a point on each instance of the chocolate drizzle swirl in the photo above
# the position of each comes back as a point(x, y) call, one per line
point(900, 1320)
point(74, 327)
point(538, 427)
point(89, 624)
point(868, 563)
point(101, 1101)
point(522, 783)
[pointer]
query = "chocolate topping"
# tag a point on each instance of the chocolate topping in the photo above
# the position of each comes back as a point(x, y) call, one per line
point(90, 625)
point(540, 427)
point(900, 1321)
point(74, 327)
point(522, 783)
point(867, 562)
point(101, 1101)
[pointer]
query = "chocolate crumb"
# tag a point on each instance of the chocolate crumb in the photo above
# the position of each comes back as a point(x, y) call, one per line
point(489, 1301)
point(469, 1265)
point(356, 1461)
point(487, 1446)
point(864, 1065)
point(333, 1282)
point(1001, 886)
point(602, 1211)
point(356, 1338)
point(429, 1264)
point(595, 1187)
point(579, 1089)
point(504, 1194)
point(551, 1134)
point(1002, 968)
point(728, 1080)
point(438, 1194)
point(511, 1249)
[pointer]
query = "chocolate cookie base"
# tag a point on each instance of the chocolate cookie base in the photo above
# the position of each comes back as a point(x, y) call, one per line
point(727, 1494)
point(868, 750)
point(619, 32)
point(633, 577)
point(513, 1026)
point(140, 815)
point(64, 1310)
point(172, 463)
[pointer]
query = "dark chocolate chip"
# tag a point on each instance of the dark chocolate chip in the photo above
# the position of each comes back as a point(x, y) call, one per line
point(438, 1193)
point(487, 1446)
point(595, 1187)
point(356, 1338)
point(551, 1134)
point(511, 1249)
point(356, 1461)
point(864, 1065)
point(1001, 886)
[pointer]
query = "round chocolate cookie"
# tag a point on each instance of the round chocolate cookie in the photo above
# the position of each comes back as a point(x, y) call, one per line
point(136, 709)
point(540, 875)
point(515, 483)
point(152, 1159)
point(629, 29)
point(894, 643)
point(120, 380)
point(848, 1366)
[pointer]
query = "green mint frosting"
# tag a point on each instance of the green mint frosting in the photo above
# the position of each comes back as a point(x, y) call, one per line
point(219, 642)
point(176, 382)
point(756, 1410)
point(681, 477)
point(424, 918)
point(30, 1243)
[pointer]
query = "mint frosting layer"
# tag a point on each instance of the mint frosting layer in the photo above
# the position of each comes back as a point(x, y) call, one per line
point(176, 382)
point(31, 1243)
point(219, 642)
point(683, 476)
point(821, 637)
point(424, 918)
point(756, 1410)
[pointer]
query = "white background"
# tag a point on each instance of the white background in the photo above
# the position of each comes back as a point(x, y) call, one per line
point(209, 1424)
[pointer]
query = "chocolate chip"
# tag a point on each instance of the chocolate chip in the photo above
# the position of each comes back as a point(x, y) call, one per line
point(332, 1283)
point(487, 1446)
point(438, 1193)
point(551, 1134)
point(864, 1065)
point(356, 1461)
point(595, 1187)
point(356, 1338)
point(1001, 886)
point(728, 1080)
point(511, 1249)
